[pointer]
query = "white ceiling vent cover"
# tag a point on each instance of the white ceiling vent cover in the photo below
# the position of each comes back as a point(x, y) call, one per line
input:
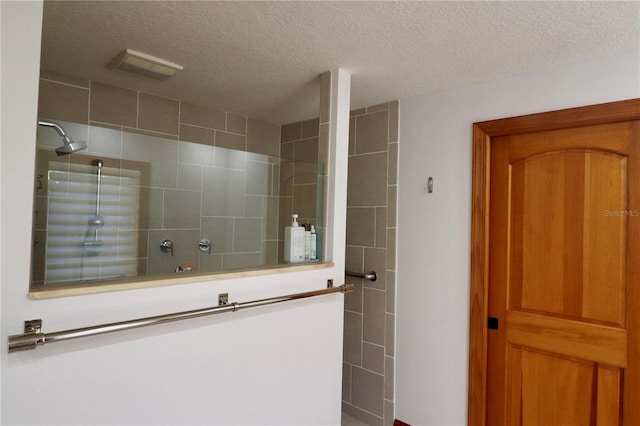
point(137, 63)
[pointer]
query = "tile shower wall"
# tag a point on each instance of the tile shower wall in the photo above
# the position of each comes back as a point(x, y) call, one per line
point(369, 327)
point(299, 178)
point(172, 135)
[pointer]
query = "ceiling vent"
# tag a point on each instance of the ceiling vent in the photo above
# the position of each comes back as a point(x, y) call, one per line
point(144, 65)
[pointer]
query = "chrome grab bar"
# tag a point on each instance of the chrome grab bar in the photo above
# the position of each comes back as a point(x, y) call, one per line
point(34, 337)
point(371, 276)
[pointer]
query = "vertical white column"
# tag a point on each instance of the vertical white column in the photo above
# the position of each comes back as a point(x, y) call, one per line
point(340, 95)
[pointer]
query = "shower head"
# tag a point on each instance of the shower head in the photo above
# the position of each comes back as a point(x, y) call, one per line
point(70, 146)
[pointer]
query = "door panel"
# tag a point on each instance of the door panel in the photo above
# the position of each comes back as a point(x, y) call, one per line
point(569, 256)
point(560, 236)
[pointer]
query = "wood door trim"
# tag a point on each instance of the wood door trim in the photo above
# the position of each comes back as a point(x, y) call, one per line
point(483, 132)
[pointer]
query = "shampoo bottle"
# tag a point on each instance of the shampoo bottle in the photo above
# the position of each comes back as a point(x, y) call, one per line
point(294, 240)
point(314, 244)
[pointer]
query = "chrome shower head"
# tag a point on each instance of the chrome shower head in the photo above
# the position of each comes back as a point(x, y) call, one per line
point(70, 146)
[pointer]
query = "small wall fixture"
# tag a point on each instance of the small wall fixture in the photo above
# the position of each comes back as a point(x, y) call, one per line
point(137, 63)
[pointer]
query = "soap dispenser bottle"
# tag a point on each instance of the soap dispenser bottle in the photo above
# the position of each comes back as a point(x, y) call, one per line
point(314, 244)
point(294, 242)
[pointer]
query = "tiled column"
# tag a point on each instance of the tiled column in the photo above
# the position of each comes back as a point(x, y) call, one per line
point(369, 336)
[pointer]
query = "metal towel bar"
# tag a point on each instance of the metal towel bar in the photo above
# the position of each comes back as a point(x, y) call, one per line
point(34, 337)
point(371, 276)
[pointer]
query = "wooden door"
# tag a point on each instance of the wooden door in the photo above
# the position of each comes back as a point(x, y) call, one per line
point(562, 275)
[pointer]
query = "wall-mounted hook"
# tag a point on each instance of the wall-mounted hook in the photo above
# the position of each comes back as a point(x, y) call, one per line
point(166, 246)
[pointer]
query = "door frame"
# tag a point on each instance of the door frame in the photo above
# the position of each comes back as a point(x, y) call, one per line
point(483, 133)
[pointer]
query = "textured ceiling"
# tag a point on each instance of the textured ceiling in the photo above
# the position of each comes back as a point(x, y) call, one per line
point(262, 59)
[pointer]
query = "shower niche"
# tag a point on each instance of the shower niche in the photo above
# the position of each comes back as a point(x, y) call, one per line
point(136, 207)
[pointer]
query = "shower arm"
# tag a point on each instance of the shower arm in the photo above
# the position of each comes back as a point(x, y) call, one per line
point(57, 128)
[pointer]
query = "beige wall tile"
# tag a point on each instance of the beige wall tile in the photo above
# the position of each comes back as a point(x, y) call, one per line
point(304, 201)
point(323, 144)
point(236, 123)
point(310, 128)
point(353, 300)
point(379, 107)
point(263, 137)
point(151, 207)
point(160, 153)
point(375, 260)
point(389, 417)
point(390, 327)
point(394, 115)
point(256, 178)
point(149, 133)
point(393, 164)
point(230, 141)
point(158, 114)
point(202, 116)
point(219, 230)
point(64, 78)
point(305, 173)
point(105, 140)
point(354, 257)
point(388, 379)
point(224, 192)
point(181, 209)
point(391, 292)
point(367, 184)
point(381, 227)
point(62, 102)
point(286, 210)
point(270, 251)
point(391, 248)
point(373, 357)
point(373, 316)
point(367, 390)
point(352, 348)
point(196, 153)
point(286, 150)
point(113, 105)
point(273, 215)
point(354, 262)
point(290, 132)
point(361, 226)
point(230, 159)
point(253, 206)
point(286, 180)
point(241, 260)
point(358, 414)
point(372, 132)
point(352, 136)
point(306, 150)
point(210, 262)
point(346, 382)
point(325, 97)
point(247, 235)
point(391, 209)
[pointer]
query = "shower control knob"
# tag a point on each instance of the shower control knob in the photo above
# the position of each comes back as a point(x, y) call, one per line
point(205, 245)
point(166, 246)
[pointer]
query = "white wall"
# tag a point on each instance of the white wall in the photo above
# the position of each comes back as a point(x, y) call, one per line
point(272, 365)
point(434, 229)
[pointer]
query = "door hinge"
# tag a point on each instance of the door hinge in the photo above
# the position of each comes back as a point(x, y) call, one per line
point(492, 323)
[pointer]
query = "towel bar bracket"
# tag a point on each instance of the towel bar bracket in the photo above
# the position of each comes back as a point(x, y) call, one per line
point(33, 326)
